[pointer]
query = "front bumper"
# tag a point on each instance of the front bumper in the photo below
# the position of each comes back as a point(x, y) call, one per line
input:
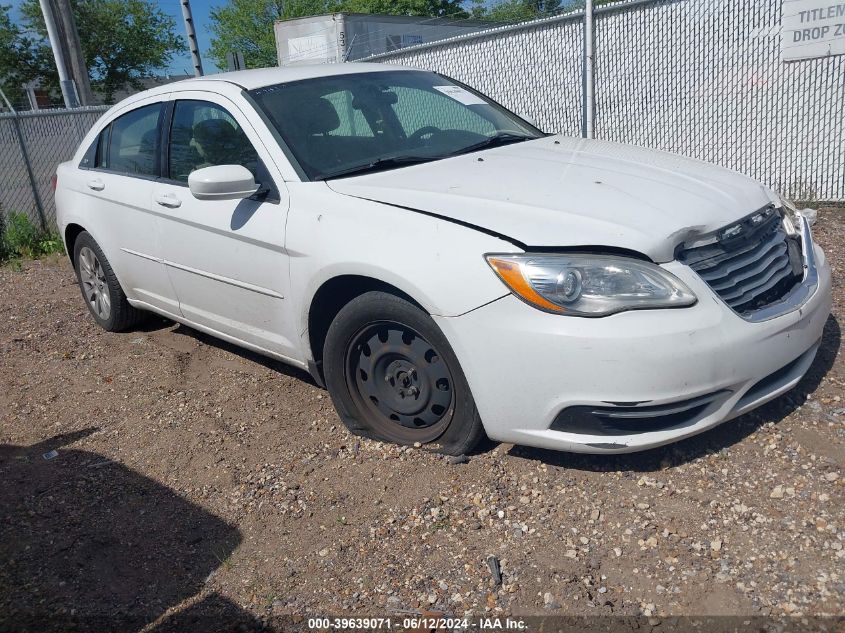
point(525, 366)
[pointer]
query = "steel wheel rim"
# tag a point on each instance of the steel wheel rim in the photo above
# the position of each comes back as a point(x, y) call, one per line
point(95, 287)
point(400, 381)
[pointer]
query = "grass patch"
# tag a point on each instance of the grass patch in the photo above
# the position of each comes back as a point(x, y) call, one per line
point(21, 239)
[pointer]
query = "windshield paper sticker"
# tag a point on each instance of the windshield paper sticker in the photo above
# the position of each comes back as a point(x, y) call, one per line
point(460, 94)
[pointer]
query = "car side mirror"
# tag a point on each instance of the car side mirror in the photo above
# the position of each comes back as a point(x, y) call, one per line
point(222, 182)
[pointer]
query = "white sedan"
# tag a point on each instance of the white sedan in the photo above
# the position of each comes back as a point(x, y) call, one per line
point(444, 267)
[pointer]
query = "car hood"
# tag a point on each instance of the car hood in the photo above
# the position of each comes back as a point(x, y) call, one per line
point(569, 192)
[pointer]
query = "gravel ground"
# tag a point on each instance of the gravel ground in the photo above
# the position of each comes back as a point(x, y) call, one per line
point(193, 479)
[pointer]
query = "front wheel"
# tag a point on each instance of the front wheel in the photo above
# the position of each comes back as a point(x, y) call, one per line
point(393, 376)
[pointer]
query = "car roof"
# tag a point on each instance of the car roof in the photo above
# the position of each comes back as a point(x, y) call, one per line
point(258, 78)
point(251, 79)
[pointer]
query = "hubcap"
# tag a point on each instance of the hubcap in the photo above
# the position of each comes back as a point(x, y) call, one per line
point(400, 380)
point(94, 284)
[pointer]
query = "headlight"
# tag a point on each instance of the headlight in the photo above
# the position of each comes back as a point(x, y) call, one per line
point(791, 212)
point(790, 216)
point(589, 285)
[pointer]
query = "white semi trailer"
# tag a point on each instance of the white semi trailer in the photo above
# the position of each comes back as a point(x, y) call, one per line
point(340, 37)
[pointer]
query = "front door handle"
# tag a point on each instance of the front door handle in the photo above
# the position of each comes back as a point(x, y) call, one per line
point(96, 184)
point(169, 200)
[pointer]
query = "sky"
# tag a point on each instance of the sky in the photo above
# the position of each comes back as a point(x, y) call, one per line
point(200, 10)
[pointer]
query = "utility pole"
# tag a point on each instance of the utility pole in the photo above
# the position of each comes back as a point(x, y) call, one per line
point(73, 51)
point(66, 83)
point(589, 87)
point(29, 87)
point(192, 37)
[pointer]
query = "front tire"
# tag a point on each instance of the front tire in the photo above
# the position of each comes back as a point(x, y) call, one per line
point(393, 376)
point(100, 289)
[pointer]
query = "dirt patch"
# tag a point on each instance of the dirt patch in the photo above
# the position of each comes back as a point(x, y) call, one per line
point(195, 479)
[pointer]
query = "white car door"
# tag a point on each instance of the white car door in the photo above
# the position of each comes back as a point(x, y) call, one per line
point(225, 258)
point(118, 175)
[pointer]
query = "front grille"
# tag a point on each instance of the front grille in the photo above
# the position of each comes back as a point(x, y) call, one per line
point(751, 264)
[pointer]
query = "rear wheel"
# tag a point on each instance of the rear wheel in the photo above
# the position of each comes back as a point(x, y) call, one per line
point(393, 376)
point(102, 293)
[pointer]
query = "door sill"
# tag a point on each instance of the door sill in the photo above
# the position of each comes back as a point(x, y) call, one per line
point(142, 305)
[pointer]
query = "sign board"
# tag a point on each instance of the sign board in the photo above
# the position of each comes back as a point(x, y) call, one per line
point(812, 28)
point(308, 48)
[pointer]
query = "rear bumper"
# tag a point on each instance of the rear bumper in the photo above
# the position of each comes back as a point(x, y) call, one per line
point(525, 367)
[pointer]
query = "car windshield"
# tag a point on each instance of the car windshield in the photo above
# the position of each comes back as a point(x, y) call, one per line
point(351, 124)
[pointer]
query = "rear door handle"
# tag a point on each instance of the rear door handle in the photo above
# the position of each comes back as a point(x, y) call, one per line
point(169, 200)
point(96, 184)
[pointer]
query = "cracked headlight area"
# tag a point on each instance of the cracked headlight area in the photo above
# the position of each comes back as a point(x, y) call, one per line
point(792, 216)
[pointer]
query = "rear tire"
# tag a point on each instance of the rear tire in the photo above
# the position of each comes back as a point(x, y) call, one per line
point(101, 291)
point(393, 376)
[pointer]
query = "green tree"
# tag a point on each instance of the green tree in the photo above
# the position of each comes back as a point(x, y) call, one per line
point(510, 11)
point(521, 10)
point(122, 41)
point(418, 8)
point(17, 58)
point(478, 9)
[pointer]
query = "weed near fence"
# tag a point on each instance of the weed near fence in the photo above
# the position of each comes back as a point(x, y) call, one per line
point(21, 239)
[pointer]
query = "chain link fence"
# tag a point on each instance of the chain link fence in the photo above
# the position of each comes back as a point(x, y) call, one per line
point(703, 78)
point(32, 144)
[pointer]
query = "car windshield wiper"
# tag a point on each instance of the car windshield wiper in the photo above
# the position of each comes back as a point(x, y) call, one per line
point(378, 165)
point(503, 138)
